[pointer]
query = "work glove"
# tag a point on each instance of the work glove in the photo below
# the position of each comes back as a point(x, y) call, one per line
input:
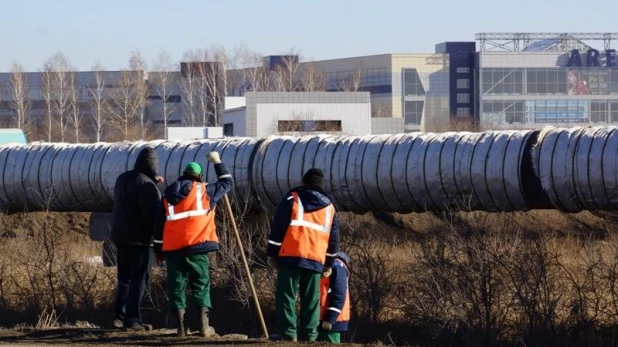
point(214, 157)
point(326, 325)
point(272, 262)
point(327, 271)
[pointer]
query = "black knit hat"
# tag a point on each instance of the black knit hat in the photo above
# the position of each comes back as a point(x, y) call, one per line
point(314, 177)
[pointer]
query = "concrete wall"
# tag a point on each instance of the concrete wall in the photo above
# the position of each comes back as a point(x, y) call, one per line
point(264, 109)
point(238, 119)
point(386, 126)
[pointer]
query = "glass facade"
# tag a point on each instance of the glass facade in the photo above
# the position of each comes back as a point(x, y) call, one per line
point(413, 111)
point(412, 83)
point(549, 81)
point(552, 111)
point(549, 95)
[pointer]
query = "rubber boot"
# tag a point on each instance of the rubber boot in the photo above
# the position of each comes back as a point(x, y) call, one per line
point(205, 329)
point(180, 316)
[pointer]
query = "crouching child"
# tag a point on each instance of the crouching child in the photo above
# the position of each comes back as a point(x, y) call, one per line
point(335, 301)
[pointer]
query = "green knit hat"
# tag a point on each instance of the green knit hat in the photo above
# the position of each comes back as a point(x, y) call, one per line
point(193, 169)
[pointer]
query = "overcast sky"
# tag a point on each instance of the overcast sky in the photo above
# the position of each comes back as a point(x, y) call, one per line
point(108, 30)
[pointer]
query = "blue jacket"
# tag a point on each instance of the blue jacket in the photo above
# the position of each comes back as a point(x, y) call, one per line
point(178, 191)
point(312, 200)
point(338, 287)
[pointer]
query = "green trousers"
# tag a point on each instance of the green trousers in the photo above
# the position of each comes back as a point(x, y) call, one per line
point(329, 336)
point(289, 281)
point(195, 267)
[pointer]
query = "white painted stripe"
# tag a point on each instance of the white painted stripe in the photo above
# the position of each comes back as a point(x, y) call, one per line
point(335, 309)
point(274, 243)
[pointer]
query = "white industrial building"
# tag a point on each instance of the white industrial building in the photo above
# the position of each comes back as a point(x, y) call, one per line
point(297, 113)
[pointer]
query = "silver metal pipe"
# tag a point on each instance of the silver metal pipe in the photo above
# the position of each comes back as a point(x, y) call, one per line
point(397, 173)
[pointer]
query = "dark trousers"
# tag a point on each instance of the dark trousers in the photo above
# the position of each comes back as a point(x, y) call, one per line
point(195, 268)
point(291, 280)
point(134, 264)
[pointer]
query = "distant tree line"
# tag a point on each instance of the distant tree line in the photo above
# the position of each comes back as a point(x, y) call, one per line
point(139, 101)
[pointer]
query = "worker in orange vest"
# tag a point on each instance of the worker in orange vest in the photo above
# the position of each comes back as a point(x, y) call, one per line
point(303, 244)
point(335, 301)
point(185, 233)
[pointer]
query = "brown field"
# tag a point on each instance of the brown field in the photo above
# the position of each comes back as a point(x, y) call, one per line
point(535, 278)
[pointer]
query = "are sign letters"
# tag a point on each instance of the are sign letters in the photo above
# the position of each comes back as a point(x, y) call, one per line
point(593, 58)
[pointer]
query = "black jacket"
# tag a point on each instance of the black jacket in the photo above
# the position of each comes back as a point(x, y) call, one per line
point(313, 199)
point(178, 191)
point(136, 197)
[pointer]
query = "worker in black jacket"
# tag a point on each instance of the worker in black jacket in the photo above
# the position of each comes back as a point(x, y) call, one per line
point(136, 198)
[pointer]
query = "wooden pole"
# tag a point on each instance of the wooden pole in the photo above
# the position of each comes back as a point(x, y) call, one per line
point(244, 260)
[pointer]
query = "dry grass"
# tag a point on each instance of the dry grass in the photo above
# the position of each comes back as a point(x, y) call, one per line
point(535, 278)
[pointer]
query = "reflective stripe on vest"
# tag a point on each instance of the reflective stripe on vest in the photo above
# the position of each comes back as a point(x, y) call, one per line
point(299, 221)
point(188, 223)
point(308, 233)
point(199, 211)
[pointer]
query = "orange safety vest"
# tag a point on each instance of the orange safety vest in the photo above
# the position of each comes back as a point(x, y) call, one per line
point(344, 314)
point(308, 233)
point(189, 222)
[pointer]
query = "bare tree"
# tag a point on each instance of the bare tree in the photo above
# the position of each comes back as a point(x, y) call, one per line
point(163, 78)
point(313, 79)
point(76, 98)
point(284, 72)
point(47, 90)
point(189, 90)
point(226, 62)
point(59, 75)
point(98, 101)
point(350, 82)
point(254, 72)
point(205, 72)
point(140, 87)
point(20, 103)
point(130, 97)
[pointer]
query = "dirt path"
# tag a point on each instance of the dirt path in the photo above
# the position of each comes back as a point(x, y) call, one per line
point(103, 337)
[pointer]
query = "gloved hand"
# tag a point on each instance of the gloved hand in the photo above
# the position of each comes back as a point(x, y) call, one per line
point(327, 271)
point(326, 325)
point(272, 262)
point(214, 157)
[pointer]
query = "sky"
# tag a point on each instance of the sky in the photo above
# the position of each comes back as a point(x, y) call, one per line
point(107, 31)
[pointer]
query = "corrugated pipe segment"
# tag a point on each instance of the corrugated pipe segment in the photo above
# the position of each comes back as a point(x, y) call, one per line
point(567, 169)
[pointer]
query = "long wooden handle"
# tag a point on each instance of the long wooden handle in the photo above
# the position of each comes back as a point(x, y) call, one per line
point(244, 260)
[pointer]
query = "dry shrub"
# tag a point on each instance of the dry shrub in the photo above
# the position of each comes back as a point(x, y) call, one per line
point(534, 278)
point(50, 269)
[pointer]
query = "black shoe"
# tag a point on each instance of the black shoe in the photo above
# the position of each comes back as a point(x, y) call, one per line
point(276, 337)
point(138, 327)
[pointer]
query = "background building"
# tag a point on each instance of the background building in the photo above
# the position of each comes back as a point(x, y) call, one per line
point(530, 80)
point(295, 113)
point(512, 81)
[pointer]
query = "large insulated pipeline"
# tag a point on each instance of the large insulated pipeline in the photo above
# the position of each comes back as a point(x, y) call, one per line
point(490, 171)
point(578, 167)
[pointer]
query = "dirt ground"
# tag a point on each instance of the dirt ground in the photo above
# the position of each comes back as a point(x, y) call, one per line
point(102, 337)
